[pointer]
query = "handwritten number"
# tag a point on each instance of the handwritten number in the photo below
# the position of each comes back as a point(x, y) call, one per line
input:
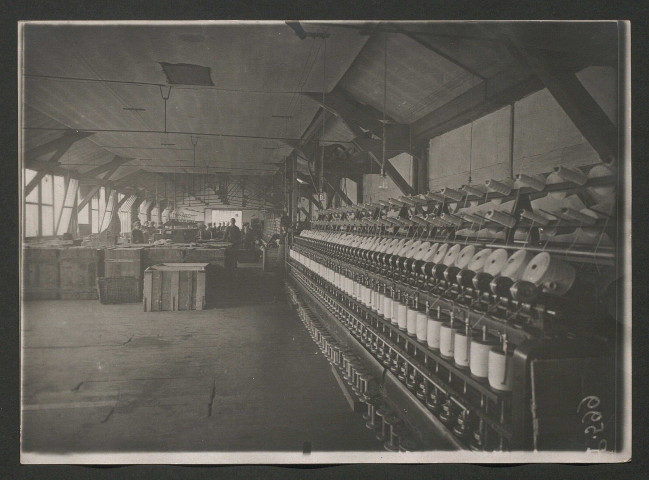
point(591, 402)
point(594, 416)
point(592, 430)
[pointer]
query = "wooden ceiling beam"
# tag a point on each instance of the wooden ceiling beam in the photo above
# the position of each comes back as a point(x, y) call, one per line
point(437, 50)
point(63, 142)
point(480, 100)
point(569, 92)
point(117, 161)
point(359, 118)
point(335, 185)
point(52, 164)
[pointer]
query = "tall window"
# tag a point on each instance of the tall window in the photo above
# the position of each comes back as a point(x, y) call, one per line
point(125, 212)
point(97, 209)
point(48, 208)
point(32, 210)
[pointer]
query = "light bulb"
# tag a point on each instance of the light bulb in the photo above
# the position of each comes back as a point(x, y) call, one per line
point(384, 183)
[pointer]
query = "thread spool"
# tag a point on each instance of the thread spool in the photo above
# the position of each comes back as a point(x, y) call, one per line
point(532, 181)
point(482, 281)
point(475, 190)
point(446, 339)
point(422, 250)
point(402, 316)
point(368, 297)
point(451, 255)
point(433, 332)
point(461, 348)
point(534, 217)
point(430, 254)
point(456, 195)
point(479, 359)
point(571, 175)
point(501, 217)
point(465, 278)
point(504, 187)
point(375, 300)
point(395, 310)
point(422, 327)
point(516, 264)
point(411, 321)
point(496, 261)
point(406, 247)
point(387, 307)
point(556, 276)
point(584, 218)
point(501, 370)
point(380, 302)
point(524, 291)
point(477, 262)
point(604, 193)
point(465, 255)
point(501, 286)
point(441, 253)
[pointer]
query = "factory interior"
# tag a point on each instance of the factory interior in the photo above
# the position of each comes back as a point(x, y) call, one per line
point(382, 240)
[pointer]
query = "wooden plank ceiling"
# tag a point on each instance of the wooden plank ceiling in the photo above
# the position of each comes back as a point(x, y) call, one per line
point(253, 116)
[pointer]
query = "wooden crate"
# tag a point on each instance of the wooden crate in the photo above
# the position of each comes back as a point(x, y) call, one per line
point(125, 262)
point(156, 255)
point(177, 286)
point(40, 274)
point(79, 268)
point(205, 255)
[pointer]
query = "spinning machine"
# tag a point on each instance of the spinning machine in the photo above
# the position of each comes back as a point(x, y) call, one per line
point(483, 315)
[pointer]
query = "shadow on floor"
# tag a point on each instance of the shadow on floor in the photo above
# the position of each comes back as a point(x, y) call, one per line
point(248, 285)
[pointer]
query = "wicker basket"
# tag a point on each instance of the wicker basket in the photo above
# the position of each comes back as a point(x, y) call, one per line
point(113, 290)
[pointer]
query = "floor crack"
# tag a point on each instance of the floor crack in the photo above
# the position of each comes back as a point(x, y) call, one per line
point(112, 410)
point(209, 405)
point(127, 341)
point(76, 389)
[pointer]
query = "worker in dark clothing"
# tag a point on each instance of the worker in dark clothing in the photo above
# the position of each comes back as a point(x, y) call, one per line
point(204, 233)
point(137, 236)
point(233, 235)
point(248, 237)
point(213, 230)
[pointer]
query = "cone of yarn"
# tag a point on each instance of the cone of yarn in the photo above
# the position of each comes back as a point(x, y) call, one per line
point(556, 276)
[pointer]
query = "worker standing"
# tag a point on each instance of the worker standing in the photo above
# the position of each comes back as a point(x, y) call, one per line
point(137, 236)
point(233, 235)
point(204, 233)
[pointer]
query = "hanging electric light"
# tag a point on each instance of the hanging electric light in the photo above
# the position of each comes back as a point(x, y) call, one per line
point(383, 185)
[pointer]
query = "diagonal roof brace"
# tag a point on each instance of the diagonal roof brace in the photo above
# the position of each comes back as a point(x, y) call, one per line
point(572, 96)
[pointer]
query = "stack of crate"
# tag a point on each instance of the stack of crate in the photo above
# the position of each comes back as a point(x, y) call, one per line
point(40, 273)
point(79, 268)
point(123, 267)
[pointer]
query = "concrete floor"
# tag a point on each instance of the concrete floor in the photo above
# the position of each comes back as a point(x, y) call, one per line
point(244, 376)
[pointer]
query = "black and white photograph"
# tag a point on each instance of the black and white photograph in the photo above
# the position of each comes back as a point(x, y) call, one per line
point(324, 242)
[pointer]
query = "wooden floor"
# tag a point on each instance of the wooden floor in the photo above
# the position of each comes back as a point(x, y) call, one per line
point(244, 376)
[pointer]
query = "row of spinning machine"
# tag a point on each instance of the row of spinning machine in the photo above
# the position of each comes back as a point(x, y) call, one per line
point(461, 291)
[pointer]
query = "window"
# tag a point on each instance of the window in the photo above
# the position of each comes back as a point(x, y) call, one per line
point(125, 212)
point(44, 205)
point(65, 216)
point(94, 214)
